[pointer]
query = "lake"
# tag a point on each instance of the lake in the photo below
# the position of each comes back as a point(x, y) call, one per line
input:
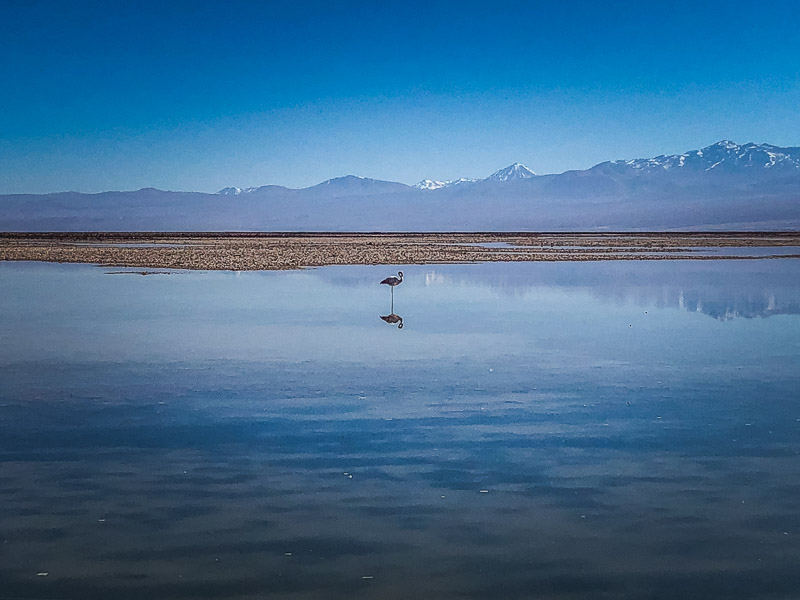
point(626, 429)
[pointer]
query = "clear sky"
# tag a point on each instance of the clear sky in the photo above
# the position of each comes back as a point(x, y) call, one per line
point(193, 95)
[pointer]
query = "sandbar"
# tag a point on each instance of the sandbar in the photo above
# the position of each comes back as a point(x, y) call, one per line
point(238, 251)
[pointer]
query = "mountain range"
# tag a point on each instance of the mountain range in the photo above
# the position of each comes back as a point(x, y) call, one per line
point(722, 186)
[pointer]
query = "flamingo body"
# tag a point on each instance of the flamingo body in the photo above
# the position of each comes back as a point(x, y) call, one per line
point(392, 280)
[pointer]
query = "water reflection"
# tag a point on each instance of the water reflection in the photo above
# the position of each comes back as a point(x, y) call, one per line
point(557, 432)
point(393, 318)
point(747, 304)
point(723, 290)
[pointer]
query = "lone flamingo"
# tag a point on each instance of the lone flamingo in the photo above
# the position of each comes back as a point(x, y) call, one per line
point(392, 281)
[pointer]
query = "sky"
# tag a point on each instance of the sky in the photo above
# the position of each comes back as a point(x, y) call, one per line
point(200, 95)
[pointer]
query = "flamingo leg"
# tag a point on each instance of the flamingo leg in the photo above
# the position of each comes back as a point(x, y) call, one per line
point(392, 311)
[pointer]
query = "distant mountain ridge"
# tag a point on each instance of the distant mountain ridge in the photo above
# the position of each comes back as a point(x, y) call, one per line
point(510, 173)
point(722, 186)
point(723, 155)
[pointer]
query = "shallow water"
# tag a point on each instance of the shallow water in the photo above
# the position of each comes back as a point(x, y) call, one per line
point(715, 251)
point(535, 430)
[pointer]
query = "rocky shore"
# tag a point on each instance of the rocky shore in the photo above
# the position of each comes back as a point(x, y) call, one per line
point(273, 251)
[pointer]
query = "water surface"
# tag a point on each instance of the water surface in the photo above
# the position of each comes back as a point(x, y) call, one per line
point(535, 430)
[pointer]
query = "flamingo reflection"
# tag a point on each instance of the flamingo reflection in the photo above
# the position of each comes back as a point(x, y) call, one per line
point(393, 318)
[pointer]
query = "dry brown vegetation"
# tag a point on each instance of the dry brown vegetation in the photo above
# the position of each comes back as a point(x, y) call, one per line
point(272, 251)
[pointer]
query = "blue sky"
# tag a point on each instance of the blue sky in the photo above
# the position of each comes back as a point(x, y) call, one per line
point(201, 95)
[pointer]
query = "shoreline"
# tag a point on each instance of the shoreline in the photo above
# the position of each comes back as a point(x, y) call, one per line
point(250, 251)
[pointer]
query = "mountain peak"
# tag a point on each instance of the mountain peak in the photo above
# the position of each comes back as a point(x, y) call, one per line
point(726, 144)
point(430, 184)
point(724, 155)
point(230, 191)
point(235, 191)
point(353, 185)
point(345, 179)
point(511, 172)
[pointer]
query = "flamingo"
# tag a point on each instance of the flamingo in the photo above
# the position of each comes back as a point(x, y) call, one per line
point(392, 281)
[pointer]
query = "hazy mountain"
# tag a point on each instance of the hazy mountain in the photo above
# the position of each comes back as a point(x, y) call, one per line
point(352, 185)
point(721, 186)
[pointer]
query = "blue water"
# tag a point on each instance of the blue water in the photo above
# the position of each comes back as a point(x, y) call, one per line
point(540, 430)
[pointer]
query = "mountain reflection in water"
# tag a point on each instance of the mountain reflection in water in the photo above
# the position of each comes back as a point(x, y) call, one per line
point(542, 431)
point(720, 289)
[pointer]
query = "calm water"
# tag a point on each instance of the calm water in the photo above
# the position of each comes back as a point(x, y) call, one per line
point(576, 430)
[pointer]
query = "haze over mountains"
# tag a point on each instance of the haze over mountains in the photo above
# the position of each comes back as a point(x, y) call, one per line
point(722, 186)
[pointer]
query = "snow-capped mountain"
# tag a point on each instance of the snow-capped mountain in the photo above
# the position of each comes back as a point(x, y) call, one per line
point(724, 155)
point(512, 172)
point(235, 191)
point(724, 186)
point(432, 184)
point(460, 181)
point(230, 191)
